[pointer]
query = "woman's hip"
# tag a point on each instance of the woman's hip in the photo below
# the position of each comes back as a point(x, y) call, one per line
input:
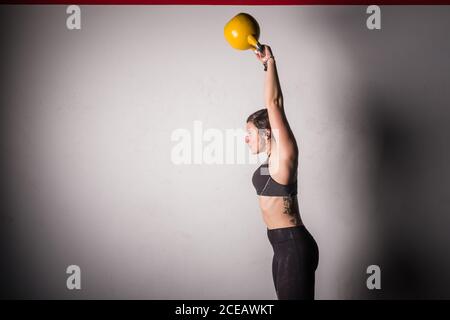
point(295, 240)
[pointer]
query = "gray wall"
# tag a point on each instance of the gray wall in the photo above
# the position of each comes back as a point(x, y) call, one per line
point(87, 176)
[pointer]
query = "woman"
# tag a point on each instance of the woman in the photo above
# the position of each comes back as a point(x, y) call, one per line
point(296, 254)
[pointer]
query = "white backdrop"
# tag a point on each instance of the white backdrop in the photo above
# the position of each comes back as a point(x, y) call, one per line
point(87, 121)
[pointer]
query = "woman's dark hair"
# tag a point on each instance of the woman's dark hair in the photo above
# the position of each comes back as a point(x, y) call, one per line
point(260, 119)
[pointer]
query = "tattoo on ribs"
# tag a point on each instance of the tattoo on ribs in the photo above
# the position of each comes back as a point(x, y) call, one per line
point(290, 208)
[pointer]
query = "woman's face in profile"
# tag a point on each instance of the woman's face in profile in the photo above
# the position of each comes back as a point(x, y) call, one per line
point(253, 139)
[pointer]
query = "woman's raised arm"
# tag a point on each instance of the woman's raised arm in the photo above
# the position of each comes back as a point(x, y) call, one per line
point(287, 147)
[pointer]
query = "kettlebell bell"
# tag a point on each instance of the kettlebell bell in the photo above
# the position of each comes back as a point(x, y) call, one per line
point(242, 32)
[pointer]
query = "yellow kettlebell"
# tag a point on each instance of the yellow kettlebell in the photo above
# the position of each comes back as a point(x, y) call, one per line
point(242, 32)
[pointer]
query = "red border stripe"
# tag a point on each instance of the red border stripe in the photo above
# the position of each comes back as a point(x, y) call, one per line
point(230, 2)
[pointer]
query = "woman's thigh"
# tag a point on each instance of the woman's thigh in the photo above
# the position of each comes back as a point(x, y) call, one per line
point(294, 269)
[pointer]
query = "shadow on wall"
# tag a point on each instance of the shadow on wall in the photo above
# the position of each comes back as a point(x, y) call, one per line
point(405, 76)
point(409, 183)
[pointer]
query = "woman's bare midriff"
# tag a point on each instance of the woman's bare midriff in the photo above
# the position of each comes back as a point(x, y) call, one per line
point(280, 212)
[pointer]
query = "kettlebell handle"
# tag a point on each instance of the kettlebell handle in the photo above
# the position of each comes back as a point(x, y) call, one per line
point(259, 47)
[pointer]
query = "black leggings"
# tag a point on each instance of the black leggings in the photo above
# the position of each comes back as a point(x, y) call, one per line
point(295, 260)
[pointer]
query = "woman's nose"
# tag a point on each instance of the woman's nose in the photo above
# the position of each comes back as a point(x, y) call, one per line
point(246, 139)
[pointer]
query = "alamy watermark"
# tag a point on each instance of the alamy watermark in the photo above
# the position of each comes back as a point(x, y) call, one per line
point(374, 280)
point(73, 282)
point(220, 146)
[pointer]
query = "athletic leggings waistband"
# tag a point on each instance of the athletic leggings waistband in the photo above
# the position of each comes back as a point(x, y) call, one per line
point(283, 234)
